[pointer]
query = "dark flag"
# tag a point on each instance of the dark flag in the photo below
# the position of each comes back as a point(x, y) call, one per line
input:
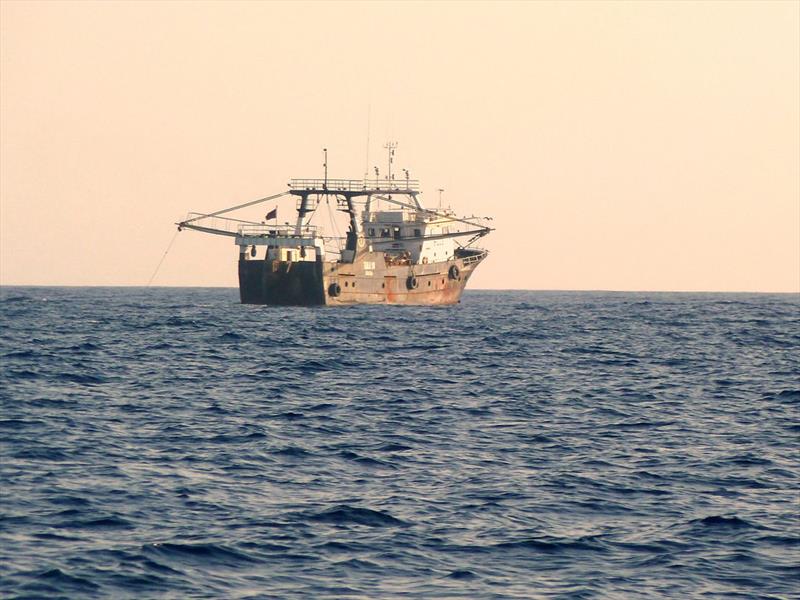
point(273, 214)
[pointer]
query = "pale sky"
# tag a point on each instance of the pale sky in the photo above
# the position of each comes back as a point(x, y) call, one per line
point(618, 146)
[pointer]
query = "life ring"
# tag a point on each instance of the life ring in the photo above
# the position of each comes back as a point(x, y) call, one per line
point(412, 283)
point(334, 289)
point(453, 272)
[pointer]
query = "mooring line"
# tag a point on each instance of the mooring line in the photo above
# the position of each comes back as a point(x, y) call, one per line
point(153, 276)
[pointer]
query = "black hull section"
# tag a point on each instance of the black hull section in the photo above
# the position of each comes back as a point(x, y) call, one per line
point(281, 283)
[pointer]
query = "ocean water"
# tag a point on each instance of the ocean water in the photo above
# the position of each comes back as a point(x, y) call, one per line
point(172, 443)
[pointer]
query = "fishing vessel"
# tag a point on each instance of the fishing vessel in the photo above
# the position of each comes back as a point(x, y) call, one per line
point(395, 251)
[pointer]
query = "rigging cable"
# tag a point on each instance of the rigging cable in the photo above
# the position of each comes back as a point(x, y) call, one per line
point(232, 208)
point(334, 228)
point(153, 276)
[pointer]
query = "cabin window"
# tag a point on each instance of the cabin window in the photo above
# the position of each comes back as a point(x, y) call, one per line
point(354, 284)
point(417, 233)
point(371, 232)
point(397, 233)
point(429, 284)
point(345, 284)
point(385, 232)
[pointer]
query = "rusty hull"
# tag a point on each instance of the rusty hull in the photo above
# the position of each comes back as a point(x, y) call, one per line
point(367, 280)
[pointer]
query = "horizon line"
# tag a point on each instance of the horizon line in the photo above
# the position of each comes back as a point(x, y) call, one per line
point(591, 290)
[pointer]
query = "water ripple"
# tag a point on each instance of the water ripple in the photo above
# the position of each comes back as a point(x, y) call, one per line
point(174, 443)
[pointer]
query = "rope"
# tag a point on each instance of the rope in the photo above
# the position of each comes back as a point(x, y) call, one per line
point(334, 228)
point(433, 212)
point(153, 276)
point(313, 212)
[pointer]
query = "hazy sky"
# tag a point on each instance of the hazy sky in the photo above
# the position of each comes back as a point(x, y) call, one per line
point(624, 146)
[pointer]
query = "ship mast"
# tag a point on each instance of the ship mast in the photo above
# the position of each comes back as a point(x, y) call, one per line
point(390, 146)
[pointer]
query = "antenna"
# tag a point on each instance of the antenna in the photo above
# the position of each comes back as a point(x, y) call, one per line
point(325, 164)
point(378, 184)
point(366, 164)
point(440, 198)
point(390, 146)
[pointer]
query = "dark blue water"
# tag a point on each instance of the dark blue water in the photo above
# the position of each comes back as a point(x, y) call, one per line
point(173, 443)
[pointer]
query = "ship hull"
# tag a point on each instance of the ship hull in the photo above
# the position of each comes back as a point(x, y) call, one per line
point(367, 280)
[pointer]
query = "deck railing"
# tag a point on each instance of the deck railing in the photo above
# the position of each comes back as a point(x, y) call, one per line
point(264, 230)
point(468, 260)
point(400, 186)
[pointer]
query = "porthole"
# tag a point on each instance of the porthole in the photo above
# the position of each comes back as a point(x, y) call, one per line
point(345, 284)
point(429, 283)
point(354, 284)
point(383, 285)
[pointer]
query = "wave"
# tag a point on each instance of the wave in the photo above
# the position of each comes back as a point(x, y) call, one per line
point(365, 460)
point(293, 451)
point(554, 545)
point(110, 522)
point(83, 378)
point(201, 552)
point(722, 522)
point(61, 580)
point(462, 575)
point(230, 336)
point(353, 515)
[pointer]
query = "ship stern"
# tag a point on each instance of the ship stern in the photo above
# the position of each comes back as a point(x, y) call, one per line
point(281, 283)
